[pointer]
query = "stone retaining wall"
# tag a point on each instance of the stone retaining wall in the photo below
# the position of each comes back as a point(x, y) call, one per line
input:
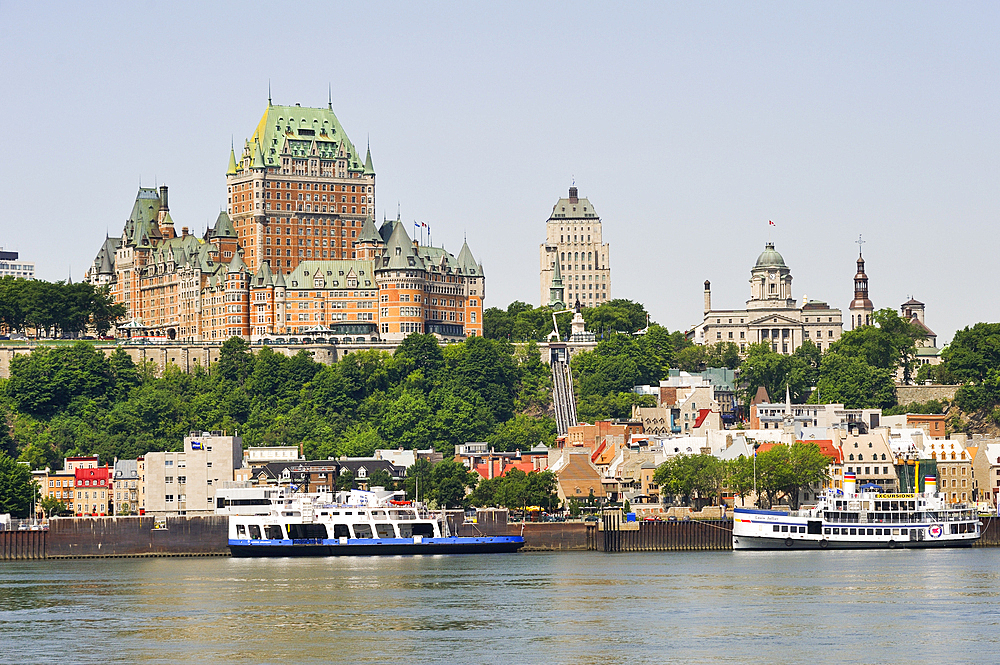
point(910, 394)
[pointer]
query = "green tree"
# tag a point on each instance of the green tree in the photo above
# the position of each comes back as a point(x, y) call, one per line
point(423, 353)
point(616, 316)
point(50, 506)
point(854, 383)
point(763, 366)
point(691, 476)
point(485, 493)
point(786, 471)
point(235, 360)
point(889, 344)
point(17, 488)
point(380, 478)
point(451, 479)
point(522, 432)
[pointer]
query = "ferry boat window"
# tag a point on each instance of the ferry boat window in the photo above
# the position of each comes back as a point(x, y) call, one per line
point(378, 514)
point(306, 531)
point(402, 515)
point(362, 531)
point(254, 532)
point(854, 532)
point(902, 532)
point(826, 531)
point(341, 531)
point(273, 532)
point(784, 528)
point(871, 532)
point(836, 530)
point(776, 528)
point(241, 531)
point(878, 532)
point(385, 530)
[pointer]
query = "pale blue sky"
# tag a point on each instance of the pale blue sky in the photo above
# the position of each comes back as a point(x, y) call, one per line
point(688, 126)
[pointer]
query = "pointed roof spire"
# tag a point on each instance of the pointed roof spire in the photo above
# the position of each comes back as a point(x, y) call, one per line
point(368, 232)
point(223, 227)
point(236, 265)
point(466, 261)
point(263, 276)
point(329, 102)
point(399, 252)
point(369, 169)
point(258, 158)
point(269, 92)
point(232, 158)
point(279, 280)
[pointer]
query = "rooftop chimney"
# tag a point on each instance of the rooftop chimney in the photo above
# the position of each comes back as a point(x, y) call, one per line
point(163, 197)
point(573, 198)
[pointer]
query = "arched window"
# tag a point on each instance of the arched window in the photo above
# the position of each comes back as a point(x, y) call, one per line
point(852, 457)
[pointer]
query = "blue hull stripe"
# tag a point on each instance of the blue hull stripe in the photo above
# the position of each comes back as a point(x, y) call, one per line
point(333, 542)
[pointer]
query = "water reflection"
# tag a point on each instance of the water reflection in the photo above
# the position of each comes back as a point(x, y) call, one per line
point(921, 606)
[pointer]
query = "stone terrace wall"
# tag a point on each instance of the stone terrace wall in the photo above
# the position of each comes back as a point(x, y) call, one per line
point(910, 394)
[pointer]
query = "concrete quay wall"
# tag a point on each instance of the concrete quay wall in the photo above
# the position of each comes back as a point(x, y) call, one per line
point(137, 536)
point(538, 536)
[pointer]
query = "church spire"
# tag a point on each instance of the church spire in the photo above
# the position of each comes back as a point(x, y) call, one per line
point(861, 307)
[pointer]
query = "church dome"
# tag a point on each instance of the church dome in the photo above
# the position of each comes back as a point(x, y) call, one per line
point(770, 257)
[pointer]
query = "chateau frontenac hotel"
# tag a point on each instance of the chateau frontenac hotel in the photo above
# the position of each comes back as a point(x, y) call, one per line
point(296, 251)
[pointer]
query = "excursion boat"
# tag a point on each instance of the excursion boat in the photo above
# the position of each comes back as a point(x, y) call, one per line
point(867, 519)
point(265, 522)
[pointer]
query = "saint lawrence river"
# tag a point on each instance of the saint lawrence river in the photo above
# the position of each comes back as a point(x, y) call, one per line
point(888, 606)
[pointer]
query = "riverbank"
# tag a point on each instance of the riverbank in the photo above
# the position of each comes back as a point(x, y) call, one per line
point(129, 537)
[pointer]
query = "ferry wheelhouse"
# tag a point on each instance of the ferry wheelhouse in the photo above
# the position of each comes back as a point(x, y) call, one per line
point(850, 519)
point(264, 522)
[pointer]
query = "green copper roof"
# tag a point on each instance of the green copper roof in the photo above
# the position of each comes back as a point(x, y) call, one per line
point(298, 132)
point(368, 232)
point(232, 163)
point(369, 169)
point(770, 258)
point(236, 265)
point(279, 280)
point(223, 227)
point(333, 274)
point(399, 252)
point(263, 276)
point(466, 262)
point(258, 158)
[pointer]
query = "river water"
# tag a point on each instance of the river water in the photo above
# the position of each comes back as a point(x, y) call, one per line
point(917, 606)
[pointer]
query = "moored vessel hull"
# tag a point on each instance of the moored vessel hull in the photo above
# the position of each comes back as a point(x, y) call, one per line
point(765, 543)
point(375, 547)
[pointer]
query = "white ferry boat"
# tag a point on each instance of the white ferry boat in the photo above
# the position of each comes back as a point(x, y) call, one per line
point(270, 523)
point(857, 520)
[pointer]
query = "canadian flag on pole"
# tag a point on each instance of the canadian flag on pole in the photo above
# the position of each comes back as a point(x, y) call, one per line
point(770, 223)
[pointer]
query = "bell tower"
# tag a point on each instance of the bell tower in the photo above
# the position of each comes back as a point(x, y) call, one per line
point(861, 307)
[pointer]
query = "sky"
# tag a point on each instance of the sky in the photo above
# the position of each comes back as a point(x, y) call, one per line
point(688, 126)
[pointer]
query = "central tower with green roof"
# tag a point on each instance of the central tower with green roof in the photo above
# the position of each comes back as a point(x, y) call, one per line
point(299, 189)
